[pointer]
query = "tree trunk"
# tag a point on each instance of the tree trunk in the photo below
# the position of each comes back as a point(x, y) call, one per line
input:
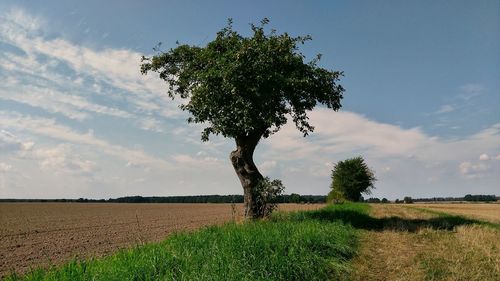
point(249, 175)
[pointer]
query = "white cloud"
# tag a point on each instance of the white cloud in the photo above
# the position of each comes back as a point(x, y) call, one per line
point(21, 21)
point(445, 109)
point(11, 143)
point(201, 153)
point(151, 124)
point(58, 92)
point(62, 159)
point(267, 166)
point(53, 101)
point(471, 90)
point(484, 157)
point(4, 167)
point(412, 155)
point(461, 102)
point(472, 171)
point(49, 128)
point(198, 161)
point(346, 132)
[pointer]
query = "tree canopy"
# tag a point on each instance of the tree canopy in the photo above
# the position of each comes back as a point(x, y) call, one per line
point(243, 86)
point(350, 178)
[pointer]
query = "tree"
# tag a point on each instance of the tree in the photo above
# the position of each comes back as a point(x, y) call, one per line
point(479, 197)
point(244, 88)
point(294, 198)
point(352, 177)
point(373, 200)
point(407, 200)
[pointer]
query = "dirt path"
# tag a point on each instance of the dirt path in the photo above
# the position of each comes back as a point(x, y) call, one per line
point(418, 249)
point(40, 234)
point(388, 254)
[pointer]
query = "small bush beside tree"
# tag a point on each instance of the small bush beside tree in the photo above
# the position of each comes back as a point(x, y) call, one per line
point(337, 197)
point(350, 178)
point(266, 196)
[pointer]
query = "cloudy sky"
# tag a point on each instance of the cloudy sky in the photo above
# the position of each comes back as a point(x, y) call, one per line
point(77, 119)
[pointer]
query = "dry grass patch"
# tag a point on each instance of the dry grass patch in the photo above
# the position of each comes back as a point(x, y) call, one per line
point(390, 210)
point(424, 252)
point(388, 255)
point(470, 253)
point(483, 211)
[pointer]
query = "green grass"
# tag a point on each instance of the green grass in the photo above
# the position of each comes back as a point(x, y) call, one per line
point(312, 245)
point(348, 213)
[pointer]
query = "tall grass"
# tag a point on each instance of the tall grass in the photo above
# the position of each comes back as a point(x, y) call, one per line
point(296, 246)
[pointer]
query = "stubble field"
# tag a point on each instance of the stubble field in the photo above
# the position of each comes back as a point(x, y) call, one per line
point(488, 212)
point(430, 242)
point(40, 234)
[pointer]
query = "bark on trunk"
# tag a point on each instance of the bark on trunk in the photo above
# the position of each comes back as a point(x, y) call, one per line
point(249, 175)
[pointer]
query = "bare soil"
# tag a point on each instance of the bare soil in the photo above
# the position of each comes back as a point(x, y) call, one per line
point(43, 234)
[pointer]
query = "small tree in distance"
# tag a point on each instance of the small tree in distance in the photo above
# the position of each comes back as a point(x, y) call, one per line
point(244, 88)
point(407, 200)
point(350, 178)
point(294, 198)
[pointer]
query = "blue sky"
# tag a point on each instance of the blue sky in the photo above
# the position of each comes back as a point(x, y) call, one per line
point(77, 119)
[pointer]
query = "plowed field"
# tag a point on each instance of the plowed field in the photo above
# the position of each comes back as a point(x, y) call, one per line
point(40, 234)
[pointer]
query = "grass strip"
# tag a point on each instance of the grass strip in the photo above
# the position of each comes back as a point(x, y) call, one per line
point(289, 246)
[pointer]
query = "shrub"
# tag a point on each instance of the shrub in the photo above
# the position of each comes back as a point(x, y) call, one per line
point(266, 196)
point(336, 197)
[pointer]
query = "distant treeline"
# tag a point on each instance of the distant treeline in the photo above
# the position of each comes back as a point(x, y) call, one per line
point(468, 197)
point(180, 199)
point(292, 198)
